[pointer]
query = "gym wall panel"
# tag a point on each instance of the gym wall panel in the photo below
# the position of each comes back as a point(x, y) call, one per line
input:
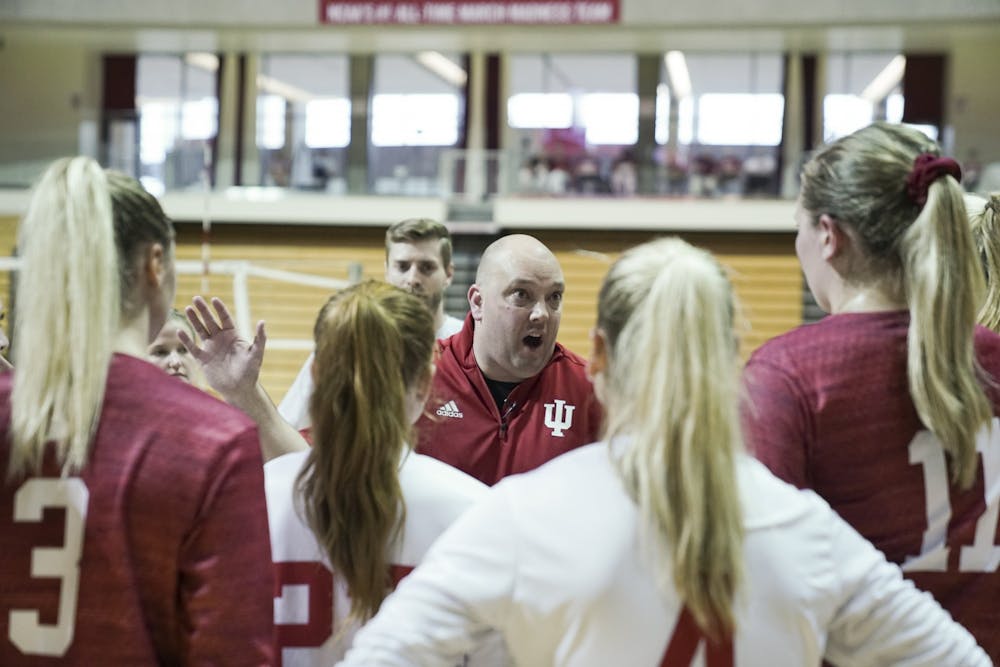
point(8, 238)
point(763, 268)
point(289, 310)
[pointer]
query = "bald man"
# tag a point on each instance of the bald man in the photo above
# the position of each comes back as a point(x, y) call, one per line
point(507, 397)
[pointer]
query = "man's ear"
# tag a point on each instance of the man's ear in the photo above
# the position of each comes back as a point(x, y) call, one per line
point(155, 267)
point(834, 239)
point(449, 272)
point(598, 361)
point(476, 302)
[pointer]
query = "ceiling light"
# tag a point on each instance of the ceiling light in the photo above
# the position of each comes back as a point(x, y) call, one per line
point(885, 81)
point(443, 67)
point(206, 61)
point(286, 90)
point(677, 71)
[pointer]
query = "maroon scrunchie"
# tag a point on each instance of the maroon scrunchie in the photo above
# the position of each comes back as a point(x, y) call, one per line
point(927, 168)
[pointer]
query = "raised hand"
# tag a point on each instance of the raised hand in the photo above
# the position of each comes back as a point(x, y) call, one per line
point(231, 363)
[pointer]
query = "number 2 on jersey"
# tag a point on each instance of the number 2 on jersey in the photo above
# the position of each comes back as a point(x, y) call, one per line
point(983, 555)
point(27, 633)
point(303, 598)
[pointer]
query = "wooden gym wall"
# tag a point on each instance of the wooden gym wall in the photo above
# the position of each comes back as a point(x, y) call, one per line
point(764, 270)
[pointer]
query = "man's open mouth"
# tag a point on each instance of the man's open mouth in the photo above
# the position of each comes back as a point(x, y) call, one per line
point(534, 342)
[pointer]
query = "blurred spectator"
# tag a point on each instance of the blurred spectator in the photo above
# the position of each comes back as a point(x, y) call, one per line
point(972, 169)
point(624, 174)
point(704, 176)
point(557, 179)
point(730, 168)
point(587, 178)
point(677, 174)
point(759, 175)
point(990, 180)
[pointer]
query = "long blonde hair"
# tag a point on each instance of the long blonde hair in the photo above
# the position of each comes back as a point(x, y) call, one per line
point(374, 342)
point(78, 243)
point(984, 220)
point(666, 310)
point(926, 251)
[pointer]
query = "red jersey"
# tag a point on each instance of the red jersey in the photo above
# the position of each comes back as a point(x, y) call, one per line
point(544, 416)
point(829, 409)
point(156, 553)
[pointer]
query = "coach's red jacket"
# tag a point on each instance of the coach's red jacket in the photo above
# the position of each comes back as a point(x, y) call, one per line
point(543, 417)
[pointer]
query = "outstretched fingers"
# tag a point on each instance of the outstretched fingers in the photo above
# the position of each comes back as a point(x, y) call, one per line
point(188, 343)
point(225, 319)
point(209, 326)
point(260, 338)
point(195, 319)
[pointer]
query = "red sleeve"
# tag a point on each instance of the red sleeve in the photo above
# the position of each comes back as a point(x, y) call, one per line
point(226, 577)
point(775, 421)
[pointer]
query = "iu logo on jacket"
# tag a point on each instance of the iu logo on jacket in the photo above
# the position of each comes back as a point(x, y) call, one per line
point(559, 417)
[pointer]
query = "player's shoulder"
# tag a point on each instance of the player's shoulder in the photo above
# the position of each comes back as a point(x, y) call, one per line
point(595, 455)
point(579, 471)
point(169, 407)
point(435, 495)
point(794, 354)
point(280, 474)
point(767, 501)
point(279, 470)
point(790, 343)
point(428, 481)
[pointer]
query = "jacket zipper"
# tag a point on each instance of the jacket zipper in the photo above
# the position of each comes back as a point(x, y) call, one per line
point(504, 418)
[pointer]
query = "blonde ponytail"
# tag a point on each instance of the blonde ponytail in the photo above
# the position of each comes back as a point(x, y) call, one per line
point(984, 221)
point(944, 291)
point(666, 309)
point(82, 245)
point(67, 313)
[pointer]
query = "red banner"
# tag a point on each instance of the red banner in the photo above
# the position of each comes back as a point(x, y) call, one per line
point(468, 12)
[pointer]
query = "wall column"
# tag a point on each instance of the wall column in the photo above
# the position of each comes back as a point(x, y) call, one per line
point(648, 79)
point(475, 131)
point(362, 71)
point(792, 132)
point(227, 136)
point(249, 158)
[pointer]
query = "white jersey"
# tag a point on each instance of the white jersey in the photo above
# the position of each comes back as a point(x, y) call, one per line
point(311, 602)
point(552, 560)
point(294, 406)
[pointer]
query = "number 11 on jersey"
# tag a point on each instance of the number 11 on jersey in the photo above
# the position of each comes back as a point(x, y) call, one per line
point(983, 555)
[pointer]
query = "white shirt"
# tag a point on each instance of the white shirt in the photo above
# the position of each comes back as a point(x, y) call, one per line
point(551, 559)
point(294, 407)
point(435, 495)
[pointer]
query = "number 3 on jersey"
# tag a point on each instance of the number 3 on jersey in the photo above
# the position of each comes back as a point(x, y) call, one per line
point(983, 555)
point(27, 633)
